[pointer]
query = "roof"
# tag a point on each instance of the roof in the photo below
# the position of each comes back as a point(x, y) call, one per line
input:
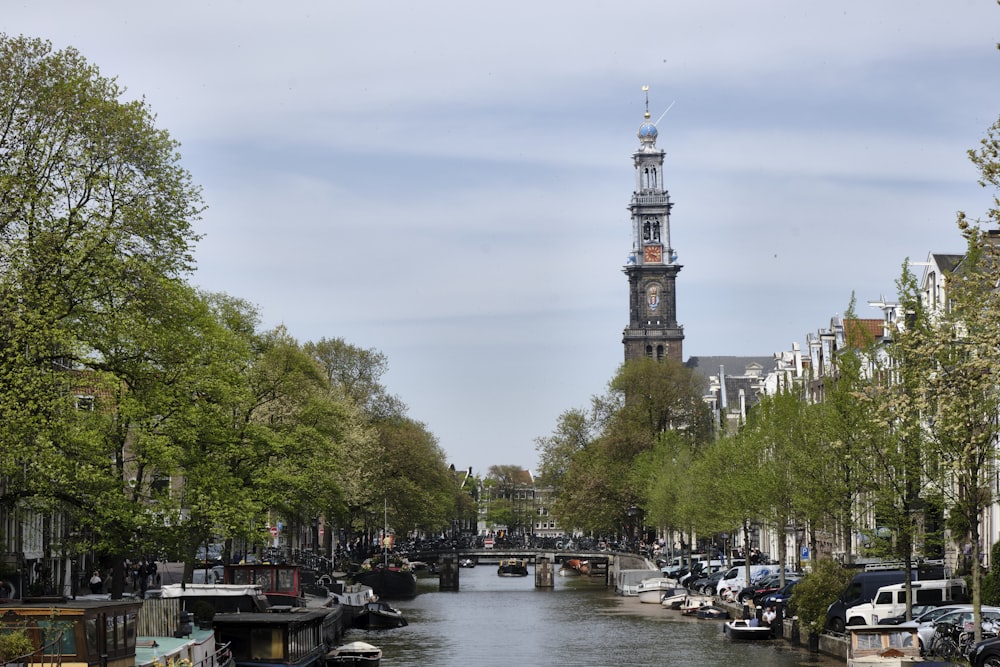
point(860, 332)
point(734, 365)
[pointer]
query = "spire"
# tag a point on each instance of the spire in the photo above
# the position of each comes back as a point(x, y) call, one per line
point(647, 131)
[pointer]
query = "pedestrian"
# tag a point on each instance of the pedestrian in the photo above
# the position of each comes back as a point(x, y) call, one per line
point(96, 583)
point(768, 618)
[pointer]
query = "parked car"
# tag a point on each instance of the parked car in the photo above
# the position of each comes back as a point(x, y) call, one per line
point(768, 584)
point(779, 597)
point(926, 631)
point(915, 613)
point(708, 585)
point(986, 653)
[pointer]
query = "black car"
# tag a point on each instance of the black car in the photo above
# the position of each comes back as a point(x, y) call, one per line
point(986, 653)
point(777, 598)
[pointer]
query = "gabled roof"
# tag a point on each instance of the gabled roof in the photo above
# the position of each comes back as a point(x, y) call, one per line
point(859, 333)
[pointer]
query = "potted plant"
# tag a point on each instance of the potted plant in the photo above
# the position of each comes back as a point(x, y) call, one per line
point(814, 594)
point(203, 613)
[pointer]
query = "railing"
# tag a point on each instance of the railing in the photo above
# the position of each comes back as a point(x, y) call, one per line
point(45, 655)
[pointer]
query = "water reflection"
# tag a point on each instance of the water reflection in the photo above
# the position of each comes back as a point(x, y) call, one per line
point(496, 621)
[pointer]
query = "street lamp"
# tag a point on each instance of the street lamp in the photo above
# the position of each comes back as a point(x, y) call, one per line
point(632, 512)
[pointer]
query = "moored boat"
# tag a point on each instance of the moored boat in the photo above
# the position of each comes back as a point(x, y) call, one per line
point(627, 581)
point(355, 654)
point(300, 637)
point(281, 584)
point(883, 645)
point(750, 629)
point(379, 615)
point(352, 598)
point(676, 600)
point(652, 590)
point(712, 613)
point(513, 567)
point(466, 562)
point(77, 633)
point(692, 603)
point(389, 581)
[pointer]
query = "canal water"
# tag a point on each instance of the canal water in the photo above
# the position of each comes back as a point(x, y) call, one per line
point(497, 621)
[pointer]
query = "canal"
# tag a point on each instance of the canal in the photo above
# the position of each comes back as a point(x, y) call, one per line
point(495, 621)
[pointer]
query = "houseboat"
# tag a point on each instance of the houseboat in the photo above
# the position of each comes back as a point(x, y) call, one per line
point(300, 637)
point(281, 584)
point(76, 633)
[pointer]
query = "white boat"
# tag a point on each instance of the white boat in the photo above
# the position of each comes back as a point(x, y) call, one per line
point(676, 600)
point(357, 654)
point(883, 645)
point(692, 603)
point(652, 590)
point(627, 581)
point(742, 628)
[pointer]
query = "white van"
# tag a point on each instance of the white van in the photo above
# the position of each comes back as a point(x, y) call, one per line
point(735, 578)
point(891, 600)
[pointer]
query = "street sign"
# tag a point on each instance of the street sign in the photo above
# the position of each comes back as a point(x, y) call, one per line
point(805, 553)
point(274, 531)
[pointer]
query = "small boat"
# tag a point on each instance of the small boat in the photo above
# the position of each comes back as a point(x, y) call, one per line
point(466, 562)
point(692, 603)
point(652, 590)
point(711, 612)
point(883, 645)
point(513, 567)
point(676, 600)
point(574, 567)
point(379, 615)
point(746, 629)
point(355, 654)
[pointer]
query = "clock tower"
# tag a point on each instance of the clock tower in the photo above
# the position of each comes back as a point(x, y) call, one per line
point(652, 267)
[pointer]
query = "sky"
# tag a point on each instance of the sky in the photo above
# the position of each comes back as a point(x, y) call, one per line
point(448, 182)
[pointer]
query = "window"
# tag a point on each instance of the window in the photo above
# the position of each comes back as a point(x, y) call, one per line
point(84, 402)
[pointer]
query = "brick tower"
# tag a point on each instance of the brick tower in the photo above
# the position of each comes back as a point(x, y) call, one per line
point(652, 270)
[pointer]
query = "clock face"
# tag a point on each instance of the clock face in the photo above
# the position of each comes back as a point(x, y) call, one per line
point(653, 254)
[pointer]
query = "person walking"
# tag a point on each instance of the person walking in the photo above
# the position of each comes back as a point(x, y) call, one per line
point(96, 583)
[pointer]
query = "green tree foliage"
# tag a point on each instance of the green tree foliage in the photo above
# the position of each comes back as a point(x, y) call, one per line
point(96, 229)
point(15, 644)
point(816, 592)
point(647, 403)
point(991, 581)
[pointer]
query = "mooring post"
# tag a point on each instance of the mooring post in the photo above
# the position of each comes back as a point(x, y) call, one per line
point(544, 573)
point(448, 569)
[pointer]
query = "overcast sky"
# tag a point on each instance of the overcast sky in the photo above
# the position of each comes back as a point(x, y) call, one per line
point(448, 182)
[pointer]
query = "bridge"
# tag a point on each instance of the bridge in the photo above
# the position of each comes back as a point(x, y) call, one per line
point(601, 562)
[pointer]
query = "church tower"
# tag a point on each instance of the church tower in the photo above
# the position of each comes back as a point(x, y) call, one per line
point(652, 264)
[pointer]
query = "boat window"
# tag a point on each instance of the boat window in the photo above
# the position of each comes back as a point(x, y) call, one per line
point(901, 640)
point(130, 635)
point(286, 580)
point(868, 641)
point(266, 644)
point(263, 579)
point(51, 631)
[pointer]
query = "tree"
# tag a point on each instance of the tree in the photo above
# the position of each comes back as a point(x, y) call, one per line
point(96, 218)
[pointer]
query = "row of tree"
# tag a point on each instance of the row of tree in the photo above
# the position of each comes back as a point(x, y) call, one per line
point(898, 443)
point(148, 415)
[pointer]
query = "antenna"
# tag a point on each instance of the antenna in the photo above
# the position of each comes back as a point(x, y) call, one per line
point(662, 114)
